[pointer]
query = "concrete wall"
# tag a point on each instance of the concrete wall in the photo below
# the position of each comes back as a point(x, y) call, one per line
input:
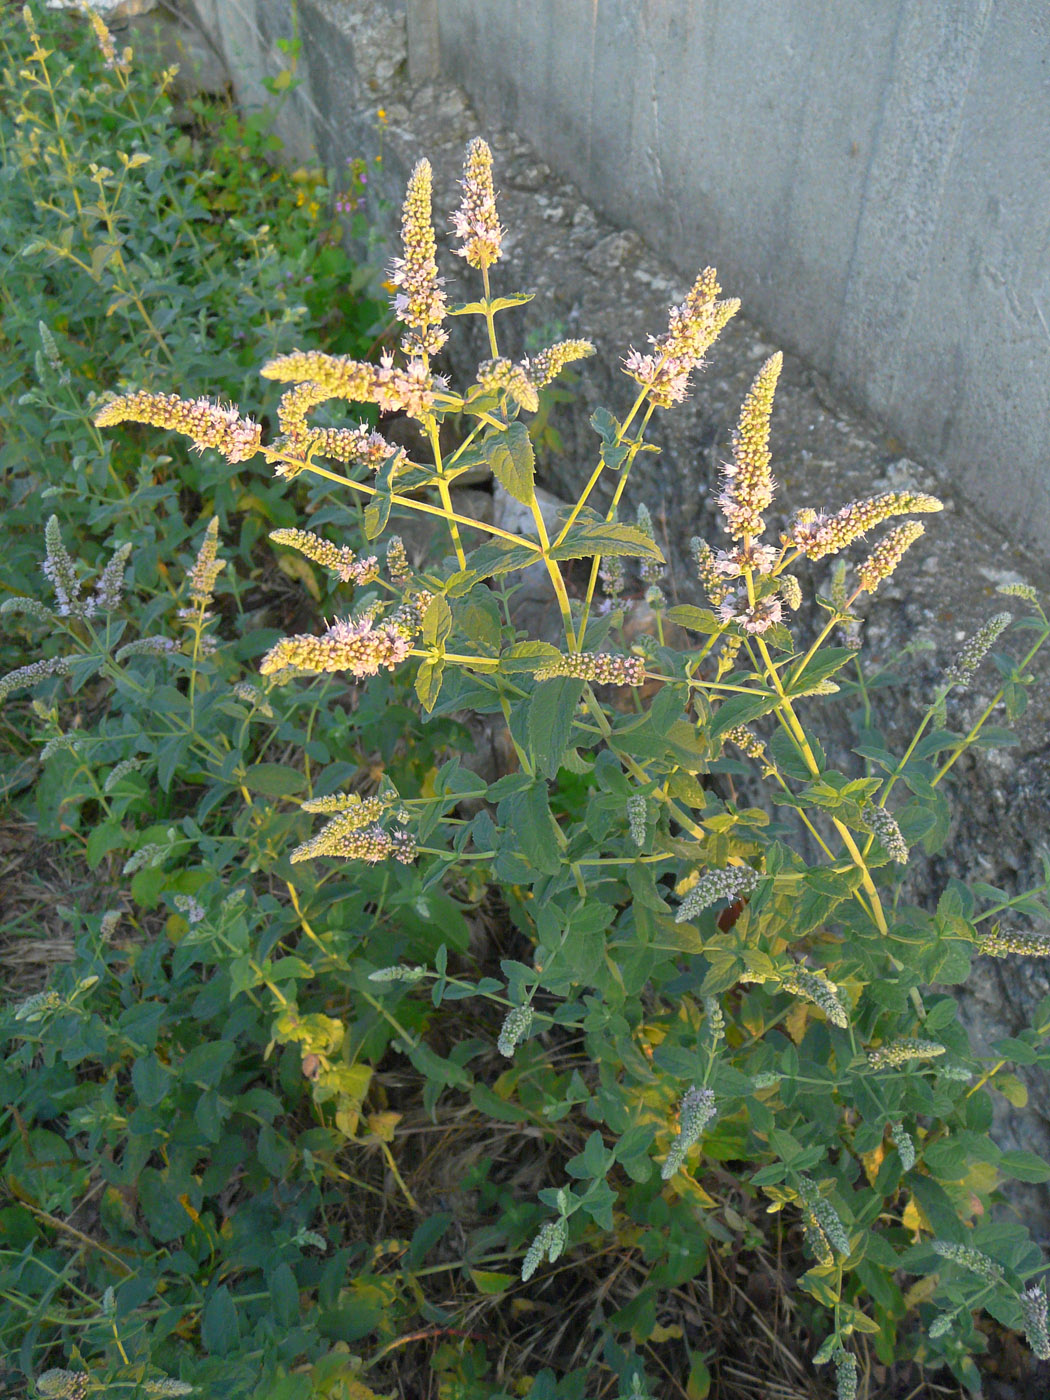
point(872, 179)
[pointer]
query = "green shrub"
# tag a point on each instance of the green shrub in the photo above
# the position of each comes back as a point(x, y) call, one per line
point(712, 991)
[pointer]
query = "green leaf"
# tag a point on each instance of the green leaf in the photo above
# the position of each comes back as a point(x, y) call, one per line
point(205, 1063)
point(1024, 1166)
point(513, 462)
point(437, 622)
point(700, 620)
point(819, 668)
point(549, 722)
point(428, 682)
point(274, 780)
point(496, 557)
point(150, 1080)
point(284, 1296)
point(589, 537)
point(220, 1331)
point(740, 709)
point(490, 1283)
point(528, 815)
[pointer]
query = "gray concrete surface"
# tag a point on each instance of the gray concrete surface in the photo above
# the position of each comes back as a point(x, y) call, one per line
point(872, 179)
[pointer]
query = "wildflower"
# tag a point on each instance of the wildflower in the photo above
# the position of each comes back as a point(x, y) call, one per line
point(695, 1112)
point(968, 1258)
point(816, 988)
point(342, 838)
point(748, 486)
point(822, 1214)
point(206, 567)
point(887, 554)
point(420, 303)
point(716, 1021)
point(817, 535)
point(119, 771)
point(605, 668)
point(845, 1375)
point(61, 573)
point(252, 695)
point(166, 1385)
point(28, 607)
point(747, 742)
point(899, 1052)
point(791, 591)
point(501, 373)
point(146, 646)
point(754, 618)
point(902, 1141)
point(1034, 1312)
point(357, 647)
point(397, 564)
point(651, 570)
point(636, 814)
point(548, 364)
point(109, 587)
point(550, 1241)
point(611, 573)
point(361, 810)
point(38, 1006)
point(475, 222)
point(516, 1026)
point(707, 571)
point(321, 377)
point(147, 857)
point(398, 974)
point(63, 1385)
point(693, 327)
point(192, 909)
point(29, 675)
point(728, 884)
point(750, 555)
point(1000, 942)
point(205, 423)
point(338, 559)
point(105, 43)
point(883, 826)
point(110, 919)
point(963, 669)
point(1019, 590)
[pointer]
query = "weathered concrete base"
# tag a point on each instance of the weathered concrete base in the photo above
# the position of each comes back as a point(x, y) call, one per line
point(592, 279)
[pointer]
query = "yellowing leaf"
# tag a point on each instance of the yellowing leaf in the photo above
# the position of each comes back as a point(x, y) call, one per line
point(382, 1125)
point(913, 1218)
point(295, 567)
point(1012, 1089)
point(922, 1290)
point(664, 1334)
point(184, 1202)
point(872, 1161)
point(686, 1186)
point(795, 1021)
point(486, 1282)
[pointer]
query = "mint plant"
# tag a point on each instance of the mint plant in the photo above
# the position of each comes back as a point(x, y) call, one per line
point(757, 986)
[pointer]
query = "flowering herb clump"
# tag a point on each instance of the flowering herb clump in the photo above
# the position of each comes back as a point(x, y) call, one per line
point(756, 975)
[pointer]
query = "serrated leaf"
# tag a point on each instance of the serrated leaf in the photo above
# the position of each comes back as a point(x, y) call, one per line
point(588, 537)
point(549, 721)
point(437, 622)
point(513, 462)
point(819, 668)
point(428, 682)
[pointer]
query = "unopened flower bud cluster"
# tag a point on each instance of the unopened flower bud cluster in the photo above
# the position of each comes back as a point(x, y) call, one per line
point(899, 1052)
point(883, 826)
point(694, 1113)
point(713, 885)
point(516, 1025)
point(604, 668)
